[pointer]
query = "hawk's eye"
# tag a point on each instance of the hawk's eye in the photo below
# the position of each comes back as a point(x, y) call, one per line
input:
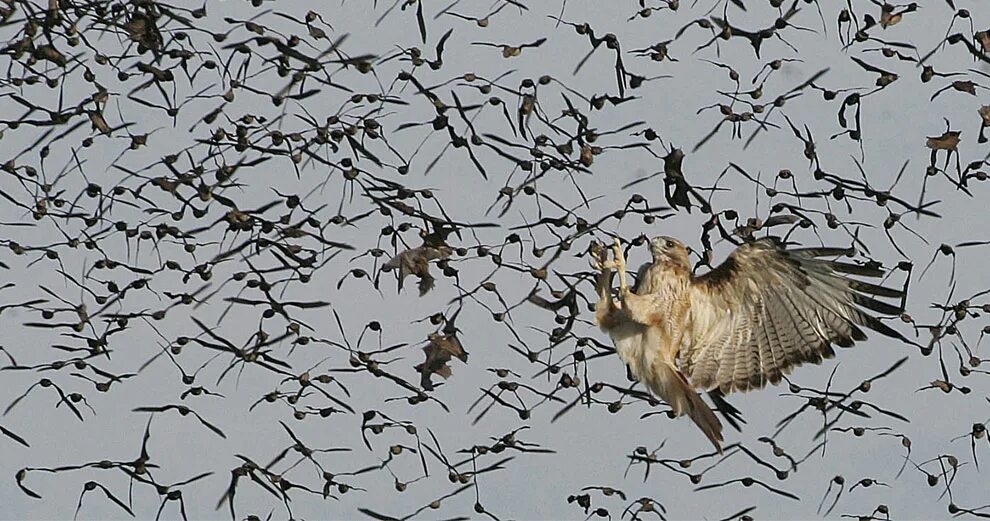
point(669, 244)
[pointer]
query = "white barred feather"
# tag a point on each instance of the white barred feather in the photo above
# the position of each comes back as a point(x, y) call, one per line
point(766, 310)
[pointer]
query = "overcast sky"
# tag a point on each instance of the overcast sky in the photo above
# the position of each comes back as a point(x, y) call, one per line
point(591, 445)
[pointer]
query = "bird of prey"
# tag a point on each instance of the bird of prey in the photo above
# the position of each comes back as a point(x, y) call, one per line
point(750, 321)
point(416, 261)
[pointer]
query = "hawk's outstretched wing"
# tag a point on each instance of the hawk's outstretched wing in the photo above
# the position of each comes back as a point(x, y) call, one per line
point(766, 310)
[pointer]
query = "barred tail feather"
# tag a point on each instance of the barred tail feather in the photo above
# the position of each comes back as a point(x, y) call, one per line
point(671, 385)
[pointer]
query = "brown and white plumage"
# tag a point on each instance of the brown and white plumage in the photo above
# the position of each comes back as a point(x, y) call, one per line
point(762, 312)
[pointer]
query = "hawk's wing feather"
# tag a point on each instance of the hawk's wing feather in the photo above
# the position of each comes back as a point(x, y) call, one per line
point(766, 310)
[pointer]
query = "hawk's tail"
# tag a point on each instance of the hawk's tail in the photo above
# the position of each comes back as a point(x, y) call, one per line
point(683, 399)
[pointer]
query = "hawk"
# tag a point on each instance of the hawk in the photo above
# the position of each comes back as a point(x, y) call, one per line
point(764, 311)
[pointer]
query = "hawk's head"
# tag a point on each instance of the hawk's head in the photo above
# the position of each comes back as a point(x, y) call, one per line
point(668, 249)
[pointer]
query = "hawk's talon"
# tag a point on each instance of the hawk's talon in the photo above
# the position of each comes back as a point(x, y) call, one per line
point(599, 260)
point(620, 264)
point(602, 266)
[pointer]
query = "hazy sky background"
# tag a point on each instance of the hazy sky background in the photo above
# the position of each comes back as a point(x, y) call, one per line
point(591, 445)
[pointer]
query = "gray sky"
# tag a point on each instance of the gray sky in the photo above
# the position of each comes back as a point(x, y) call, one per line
point(591, 445)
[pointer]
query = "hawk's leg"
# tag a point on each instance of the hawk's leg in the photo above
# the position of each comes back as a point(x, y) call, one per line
point(643, 309)
point(638, 308)
point(606, 309)
point(620, 265)
point(605, 268)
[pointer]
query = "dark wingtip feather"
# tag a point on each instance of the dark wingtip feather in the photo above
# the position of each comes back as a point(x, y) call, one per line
point(857, 333)
point(855, 269)
point(732, 415)
point(843, 341)
point(875, 289)
point(885, 330)
point(823, 252)
point(876, 305)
